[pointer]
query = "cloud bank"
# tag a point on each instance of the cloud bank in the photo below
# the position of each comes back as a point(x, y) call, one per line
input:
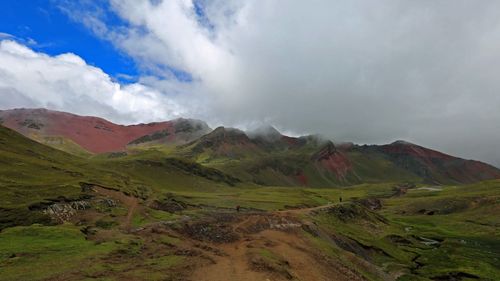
point(368, 72)
point(65, 82)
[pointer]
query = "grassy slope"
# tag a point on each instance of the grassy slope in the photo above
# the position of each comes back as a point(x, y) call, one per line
point(465, 222)
point(465, 219)
point(31, 173)
point(29, 170)
point(374, 167)
point(281, 167)
point(46, 251)
point(64, 144)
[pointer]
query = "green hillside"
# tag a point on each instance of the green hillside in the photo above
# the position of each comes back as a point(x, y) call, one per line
point(152, 214)
point(33, 174)
point(64, 144)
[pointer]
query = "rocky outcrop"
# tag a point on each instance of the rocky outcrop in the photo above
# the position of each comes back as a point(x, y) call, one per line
point(63, 212)
point(333, 160)
point(325, 152)
point(110, 203)
point(372, 204)
point(168, 205)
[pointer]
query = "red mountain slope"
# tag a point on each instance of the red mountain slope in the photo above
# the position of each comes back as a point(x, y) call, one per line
point(92, 133)
point(333, 160)
point(437, 167)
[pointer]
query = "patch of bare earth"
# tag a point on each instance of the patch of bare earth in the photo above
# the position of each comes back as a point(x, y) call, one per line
point(224, 245)
point(271, 247)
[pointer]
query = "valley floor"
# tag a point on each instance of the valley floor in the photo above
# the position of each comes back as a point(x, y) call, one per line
point(266, 246)
point(377, 233)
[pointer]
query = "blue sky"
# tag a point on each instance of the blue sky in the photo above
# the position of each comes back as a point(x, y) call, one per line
point(55, 33)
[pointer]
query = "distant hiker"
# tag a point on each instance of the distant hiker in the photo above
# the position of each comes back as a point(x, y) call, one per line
point(238, 208)
point(340, 199)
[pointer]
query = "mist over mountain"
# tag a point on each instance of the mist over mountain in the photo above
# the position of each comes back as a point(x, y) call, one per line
point(352, 71)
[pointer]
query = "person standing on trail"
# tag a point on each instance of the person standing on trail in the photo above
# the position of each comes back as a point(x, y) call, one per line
point(340, 199)
point(238, 208)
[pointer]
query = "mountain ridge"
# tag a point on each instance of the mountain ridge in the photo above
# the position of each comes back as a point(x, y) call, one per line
point(97, 135)
point(264, 155)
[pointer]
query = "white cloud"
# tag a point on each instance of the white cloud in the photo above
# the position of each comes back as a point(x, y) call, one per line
point(355, 70)
point(66, 82)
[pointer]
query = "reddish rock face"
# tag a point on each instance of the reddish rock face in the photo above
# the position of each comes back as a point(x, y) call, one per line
point(94, 134)
point(433, 164)
point(333, 160)
point(338, 164)
point(409, 149)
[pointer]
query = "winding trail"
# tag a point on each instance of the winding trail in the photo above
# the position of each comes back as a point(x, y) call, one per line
point(129, 201)
point(305, 210)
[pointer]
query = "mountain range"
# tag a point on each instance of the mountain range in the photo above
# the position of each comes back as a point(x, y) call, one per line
point(263, 156)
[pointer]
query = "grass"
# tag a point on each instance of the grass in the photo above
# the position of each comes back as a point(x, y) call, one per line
point(169, 240)
point(465, 222)
point(39, 252)
point(64, 144)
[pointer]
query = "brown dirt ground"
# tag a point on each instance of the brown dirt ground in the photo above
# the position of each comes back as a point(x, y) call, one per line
point(267, 246)
point(278, 234)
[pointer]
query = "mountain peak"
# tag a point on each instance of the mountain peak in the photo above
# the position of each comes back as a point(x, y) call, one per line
point(183, 125)
point(402, 142)
point(224, 135)
point(315, 140)
point(267, 133)
point(226, 130)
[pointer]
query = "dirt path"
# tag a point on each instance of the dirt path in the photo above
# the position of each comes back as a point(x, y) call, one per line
point(129, 201)
point(305, 210)
point(130, 214)
point(272, 248)
point(233, 266)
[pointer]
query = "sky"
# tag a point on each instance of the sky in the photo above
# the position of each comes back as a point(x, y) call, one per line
point(352, 70)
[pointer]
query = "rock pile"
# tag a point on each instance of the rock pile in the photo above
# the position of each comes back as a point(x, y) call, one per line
point(62, 212)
